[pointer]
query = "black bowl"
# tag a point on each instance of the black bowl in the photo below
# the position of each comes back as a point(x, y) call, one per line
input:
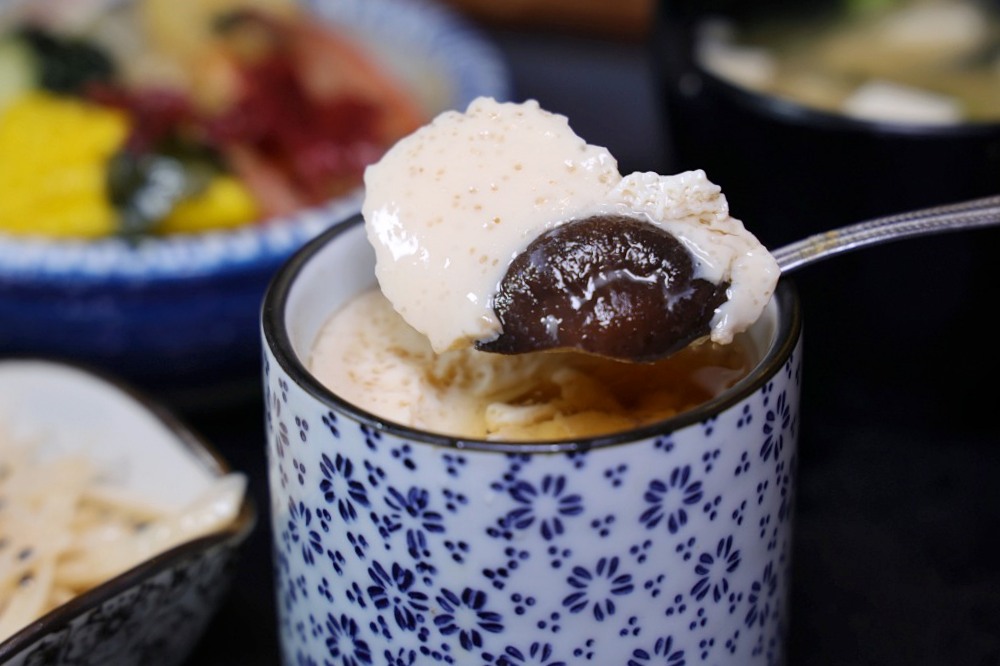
point(897, 317)
point(789, 169)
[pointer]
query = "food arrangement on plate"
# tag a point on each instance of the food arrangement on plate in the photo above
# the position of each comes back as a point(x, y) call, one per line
point(196, 146)
point(118, 525)
point(154, 117)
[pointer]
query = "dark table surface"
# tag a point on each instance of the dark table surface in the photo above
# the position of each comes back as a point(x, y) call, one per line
point(897, 555)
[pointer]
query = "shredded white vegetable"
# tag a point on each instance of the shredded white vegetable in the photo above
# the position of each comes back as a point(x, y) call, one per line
point(65, 530)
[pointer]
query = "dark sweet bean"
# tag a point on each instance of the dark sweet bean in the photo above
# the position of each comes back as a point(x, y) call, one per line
point(614, 286)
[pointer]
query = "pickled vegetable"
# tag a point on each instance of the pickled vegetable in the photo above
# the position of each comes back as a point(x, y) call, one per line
point(56, 186)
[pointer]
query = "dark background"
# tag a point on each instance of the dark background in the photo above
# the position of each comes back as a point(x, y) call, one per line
point(897, 556)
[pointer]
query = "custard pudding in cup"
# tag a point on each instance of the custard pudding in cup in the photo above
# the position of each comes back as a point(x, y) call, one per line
point(561, 531)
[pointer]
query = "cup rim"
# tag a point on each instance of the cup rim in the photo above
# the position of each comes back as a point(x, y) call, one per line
point(788, 329)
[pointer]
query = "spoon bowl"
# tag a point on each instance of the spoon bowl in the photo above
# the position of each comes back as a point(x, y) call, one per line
point(588, 284)
point(585, 286)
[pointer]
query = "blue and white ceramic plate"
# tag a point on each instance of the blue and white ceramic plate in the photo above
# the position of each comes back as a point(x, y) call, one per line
point(182, 310)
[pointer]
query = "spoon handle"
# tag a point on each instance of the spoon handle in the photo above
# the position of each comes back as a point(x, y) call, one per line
point(970, 214)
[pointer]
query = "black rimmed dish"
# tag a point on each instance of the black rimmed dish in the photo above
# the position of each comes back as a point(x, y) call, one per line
point(788, 169)
point(673, 540)
point(156, 610)
point(883, 320)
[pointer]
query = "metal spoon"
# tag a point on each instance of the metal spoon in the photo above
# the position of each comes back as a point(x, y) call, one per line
point(970, 214)
point(540, 307)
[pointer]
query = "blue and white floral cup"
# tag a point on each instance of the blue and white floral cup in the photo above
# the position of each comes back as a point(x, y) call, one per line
point(668, 545)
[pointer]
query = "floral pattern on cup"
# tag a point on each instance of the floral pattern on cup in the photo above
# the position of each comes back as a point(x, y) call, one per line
point(670, 550)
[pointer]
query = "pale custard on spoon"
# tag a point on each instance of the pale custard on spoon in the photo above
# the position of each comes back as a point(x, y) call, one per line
point(632, 267)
